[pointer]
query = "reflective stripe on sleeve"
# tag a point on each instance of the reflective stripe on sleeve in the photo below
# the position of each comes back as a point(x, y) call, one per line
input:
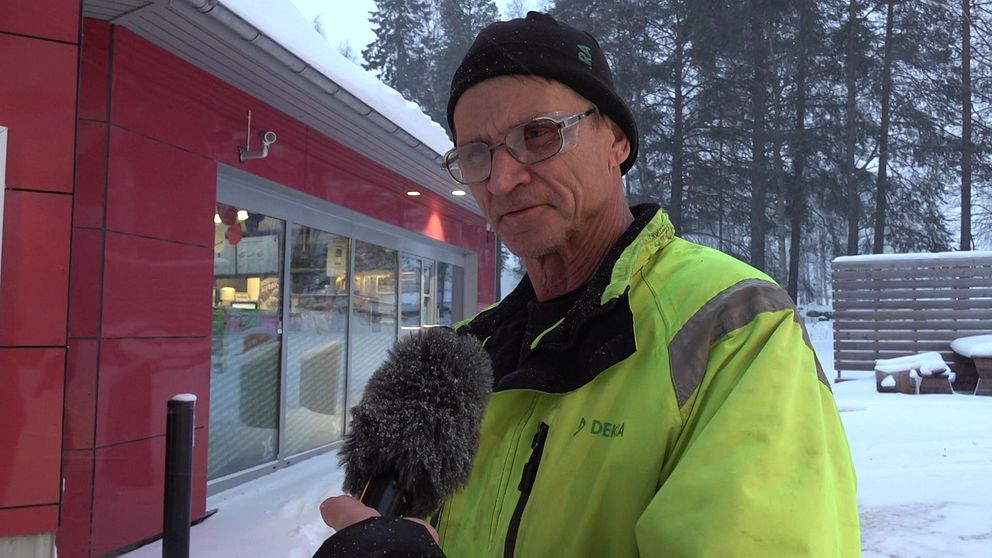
point(731, 309)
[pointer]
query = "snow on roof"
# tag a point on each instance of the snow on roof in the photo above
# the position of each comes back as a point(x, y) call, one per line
point(281, 21)
point(927, 364)
point(918, 256)
point(975, 346)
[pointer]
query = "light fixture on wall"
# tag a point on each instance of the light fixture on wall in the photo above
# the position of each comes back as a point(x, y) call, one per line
point(268, 138)
point(242, 215)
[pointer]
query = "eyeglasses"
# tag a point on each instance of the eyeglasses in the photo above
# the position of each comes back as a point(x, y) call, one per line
point(529, 143)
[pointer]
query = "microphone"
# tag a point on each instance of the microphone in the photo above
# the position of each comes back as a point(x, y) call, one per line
point(415, 433)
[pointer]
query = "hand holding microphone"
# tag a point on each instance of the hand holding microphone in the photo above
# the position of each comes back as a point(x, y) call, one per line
point(415, 433)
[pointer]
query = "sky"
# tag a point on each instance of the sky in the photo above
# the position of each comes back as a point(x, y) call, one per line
point(923, 464)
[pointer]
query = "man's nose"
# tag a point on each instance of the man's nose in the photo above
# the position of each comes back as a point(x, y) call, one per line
point(507, 172)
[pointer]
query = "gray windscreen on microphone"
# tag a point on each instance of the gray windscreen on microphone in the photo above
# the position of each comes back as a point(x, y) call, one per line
point(419, 419)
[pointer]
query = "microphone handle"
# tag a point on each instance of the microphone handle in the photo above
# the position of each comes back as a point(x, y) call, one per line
point(383, 494)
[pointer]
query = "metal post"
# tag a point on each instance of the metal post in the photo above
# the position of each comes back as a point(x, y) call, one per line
point(178, 476)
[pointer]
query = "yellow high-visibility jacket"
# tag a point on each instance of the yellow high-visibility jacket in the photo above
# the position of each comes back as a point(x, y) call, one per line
point(677, 410)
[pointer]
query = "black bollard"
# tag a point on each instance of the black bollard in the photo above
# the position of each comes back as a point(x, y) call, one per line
point(178, 476)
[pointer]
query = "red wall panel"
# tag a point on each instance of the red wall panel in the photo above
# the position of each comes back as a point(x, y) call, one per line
point(86, 281)
point(28, 521)
point(50, 19)
point(73, 536)
point(31, 415)
point(137, 379)
point(154, 288)
point(94, 70)
point(159, 191)
point(39, 107)
point(128, 486)
point(35, 270)
point(80, 394)
point(91, 174)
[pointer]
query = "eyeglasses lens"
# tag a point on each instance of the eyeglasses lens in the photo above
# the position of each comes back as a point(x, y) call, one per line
point(529, 143)
point(534, 142)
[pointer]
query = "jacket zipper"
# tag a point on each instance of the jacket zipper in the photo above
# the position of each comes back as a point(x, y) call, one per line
point(526, 483)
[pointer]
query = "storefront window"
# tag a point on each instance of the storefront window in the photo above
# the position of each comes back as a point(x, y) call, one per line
point(302, 317)
point(246, 340)
point(316, 336)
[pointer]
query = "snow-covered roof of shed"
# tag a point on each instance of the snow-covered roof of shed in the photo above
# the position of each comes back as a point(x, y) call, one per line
point(917, 256)
point(974, 346)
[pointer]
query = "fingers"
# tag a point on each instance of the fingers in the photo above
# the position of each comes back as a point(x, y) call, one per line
point(343, 511)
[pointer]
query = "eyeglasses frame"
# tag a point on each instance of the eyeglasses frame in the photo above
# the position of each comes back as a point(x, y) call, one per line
point(560, 126)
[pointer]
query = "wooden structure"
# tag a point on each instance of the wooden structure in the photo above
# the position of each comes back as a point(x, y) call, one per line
point(975, 361)
point(921, 373)
point(891, 305)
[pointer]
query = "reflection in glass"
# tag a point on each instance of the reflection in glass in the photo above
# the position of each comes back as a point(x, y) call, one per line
point(449, 284)
point(411, 295)
point(316, 338)
point(373, 323)
point(427, 308)
point(246, 341)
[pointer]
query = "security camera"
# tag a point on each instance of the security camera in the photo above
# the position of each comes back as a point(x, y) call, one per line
point(268, 138)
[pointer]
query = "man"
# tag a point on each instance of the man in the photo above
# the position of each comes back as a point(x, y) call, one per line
point(653, 397)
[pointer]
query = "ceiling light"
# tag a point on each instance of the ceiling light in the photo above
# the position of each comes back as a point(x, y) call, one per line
point(242, 215)
point(458, 192)
point(413, 193)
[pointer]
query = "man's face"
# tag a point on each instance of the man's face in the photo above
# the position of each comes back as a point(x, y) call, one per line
point(548, 207)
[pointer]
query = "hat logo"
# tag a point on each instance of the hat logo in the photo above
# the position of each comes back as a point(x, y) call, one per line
point(585, 55)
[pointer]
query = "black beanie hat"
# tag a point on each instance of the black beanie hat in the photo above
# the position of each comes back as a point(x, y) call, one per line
point(539, 45)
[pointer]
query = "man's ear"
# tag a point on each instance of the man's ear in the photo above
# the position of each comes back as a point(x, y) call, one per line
point(620, 148)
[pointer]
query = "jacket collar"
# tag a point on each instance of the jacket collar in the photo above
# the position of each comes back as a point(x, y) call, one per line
point(650, 231)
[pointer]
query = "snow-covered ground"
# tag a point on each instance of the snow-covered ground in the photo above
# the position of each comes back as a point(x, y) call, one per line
point(924, 465)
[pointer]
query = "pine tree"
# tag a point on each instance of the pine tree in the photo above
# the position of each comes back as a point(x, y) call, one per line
point(398, 55)
point(459, 21)
point(420, 43)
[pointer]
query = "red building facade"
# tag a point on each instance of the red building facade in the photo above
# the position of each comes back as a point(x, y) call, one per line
point(114, 152)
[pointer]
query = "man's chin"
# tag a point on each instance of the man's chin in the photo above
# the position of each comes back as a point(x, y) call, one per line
point(529, 248)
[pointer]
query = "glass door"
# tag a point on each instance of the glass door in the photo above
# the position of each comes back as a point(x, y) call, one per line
point(246, 340)
point(317, 337)
point(374, 313)
point(428, 309)
point(411, 294)
point(417, 305)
